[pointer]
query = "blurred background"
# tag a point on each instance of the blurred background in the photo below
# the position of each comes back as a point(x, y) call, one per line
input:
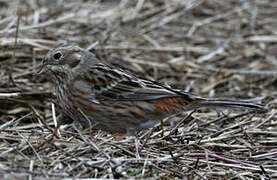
point(215, 48)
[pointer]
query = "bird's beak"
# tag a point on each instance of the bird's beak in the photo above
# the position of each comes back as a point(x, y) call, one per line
point(41, 67)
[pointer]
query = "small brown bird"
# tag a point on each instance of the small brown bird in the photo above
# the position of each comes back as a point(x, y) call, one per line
point(113, 99)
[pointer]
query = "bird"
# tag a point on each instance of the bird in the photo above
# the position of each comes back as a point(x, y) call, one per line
point(90, 91)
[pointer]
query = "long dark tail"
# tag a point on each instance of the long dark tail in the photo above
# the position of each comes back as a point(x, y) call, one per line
point(226, 103)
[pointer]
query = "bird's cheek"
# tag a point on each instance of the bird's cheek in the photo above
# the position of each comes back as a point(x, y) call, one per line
point(54, 68)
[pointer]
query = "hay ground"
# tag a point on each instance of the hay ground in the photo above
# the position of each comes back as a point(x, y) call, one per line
point(215, 48)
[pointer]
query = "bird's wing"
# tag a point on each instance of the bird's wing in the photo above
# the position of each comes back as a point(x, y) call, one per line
point(108, 83)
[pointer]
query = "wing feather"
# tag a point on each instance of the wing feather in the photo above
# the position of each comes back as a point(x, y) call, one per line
point(113, 84)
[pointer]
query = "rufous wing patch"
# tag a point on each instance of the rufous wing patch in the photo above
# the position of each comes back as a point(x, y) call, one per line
point(175, 104)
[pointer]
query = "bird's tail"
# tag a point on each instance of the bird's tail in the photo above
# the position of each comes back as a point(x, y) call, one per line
point(226, 103)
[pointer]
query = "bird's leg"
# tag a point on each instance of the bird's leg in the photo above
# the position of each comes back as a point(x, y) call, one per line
point(162, 127)
point(132, 132)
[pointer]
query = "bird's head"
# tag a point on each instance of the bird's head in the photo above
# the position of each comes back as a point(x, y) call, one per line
point(65, 60)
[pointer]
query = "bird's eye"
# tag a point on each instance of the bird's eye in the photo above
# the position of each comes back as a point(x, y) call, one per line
point(57, 55)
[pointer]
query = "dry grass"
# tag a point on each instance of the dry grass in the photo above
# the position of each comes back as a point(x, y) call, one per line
point(222, 48)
